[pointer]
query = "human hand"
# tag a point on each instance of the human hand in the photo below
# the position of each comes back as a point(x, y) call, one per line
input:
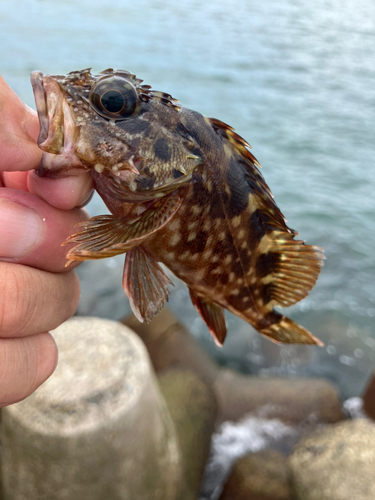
point(36, 215)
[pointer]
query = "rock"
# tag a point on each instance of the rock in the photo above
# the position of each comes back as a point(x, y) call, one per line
point(293, 400)
point(290, 400)
point(369, 397)
point(258, 476)
point(98, 428)
point(192, 407)
point(336, 463)
point(233, 440)
point(170, 346)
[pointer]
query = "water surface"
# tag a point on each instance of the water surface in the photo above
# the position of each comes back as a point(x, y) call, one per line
point(297, 79)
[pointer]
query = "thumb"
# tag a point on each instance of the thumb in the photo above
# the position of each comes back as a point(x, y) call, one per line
point(19, 129)
point(32, 231)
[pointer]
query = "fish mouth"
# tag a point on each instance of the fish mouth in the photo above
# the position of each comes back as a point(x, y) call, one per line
point(58, 133)
point(41, 105)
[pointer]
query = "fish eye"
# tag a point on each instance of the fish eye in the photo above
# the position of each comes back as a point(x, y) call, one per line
point(113, 101)
point(115, 98)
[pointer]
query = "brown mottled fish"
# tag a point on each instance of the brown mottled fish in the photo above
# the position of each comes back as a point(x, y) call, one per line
point(183, 190)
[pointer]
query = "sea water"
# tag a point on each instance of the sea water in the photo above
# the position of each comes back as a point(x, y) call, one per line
point(297, 79)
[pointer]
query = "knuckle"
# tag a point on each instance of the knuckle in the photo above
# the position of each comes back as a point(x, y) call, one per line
point(25, 363)
point(16, 306)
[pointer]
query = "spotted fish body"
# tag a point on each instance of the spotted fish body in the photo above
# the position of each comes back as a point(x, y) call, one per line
point(184, 190)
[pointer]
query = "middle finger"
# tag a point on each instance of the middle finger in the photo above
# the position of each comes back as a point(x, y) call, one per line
point(35, 301)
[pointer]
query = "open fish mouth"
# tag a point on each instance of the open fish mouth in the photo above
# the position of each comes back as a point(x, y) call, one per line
point(57, 136)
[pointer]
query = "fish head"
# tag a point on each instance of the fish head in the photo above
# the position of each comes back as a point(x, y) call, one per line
point(130, 137)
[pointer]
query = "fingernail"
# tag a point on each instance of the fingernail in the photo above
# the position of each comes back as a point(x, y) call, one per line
point(22, 230)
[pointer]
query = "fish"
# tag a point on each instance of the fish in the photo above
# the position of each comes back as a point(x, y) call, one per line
point(183, 190)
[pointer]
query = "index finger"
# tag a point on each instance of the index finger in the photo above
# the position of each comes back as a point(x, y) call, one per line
point(19, 129)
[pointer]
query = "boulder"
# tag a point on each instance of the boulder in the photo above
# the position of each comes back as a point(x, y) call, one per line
point(292, 400)
point(192, 407)
point(258, 476)
point(336, 463)
point(98, 428)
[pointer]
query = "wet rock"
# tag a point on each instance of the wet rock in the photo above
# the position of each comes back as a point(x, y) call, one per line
point(336, 463)
point(290, 400)
point(258, 476)
point(369, 397)
point(192, 407)
point(98, 428)
point(233, 440)
point(293, 400)
point(170, 346)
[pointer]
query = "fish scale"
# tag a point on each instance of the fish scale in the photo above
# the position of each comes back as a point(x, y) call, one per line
point(215, 279)
point(183, 190)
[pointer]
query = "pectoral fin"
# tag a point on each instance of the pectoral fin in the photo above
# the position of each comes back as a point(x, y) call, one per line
point(212, 314)
point(145, 284)
point(107, 235)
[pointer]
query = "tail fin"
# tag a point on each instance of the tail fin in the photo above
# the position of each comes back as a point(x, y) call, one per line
point(286, 331)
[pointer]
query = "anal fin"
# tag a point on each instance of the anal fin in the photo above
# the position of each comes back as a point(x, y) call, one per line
point(212, 314)
point(145, 284)
point(107, 235)
point(287, 331)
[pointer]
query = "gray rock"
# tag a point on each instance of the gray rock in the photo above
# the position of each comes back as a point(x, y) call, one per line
point(336, 463)
point(292, 400)
point(258, 476)
point(192, 407)
point(98, 428)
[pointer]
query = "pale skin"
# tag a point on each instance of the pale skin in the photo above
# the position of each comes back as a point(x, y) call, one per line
point(36, 215)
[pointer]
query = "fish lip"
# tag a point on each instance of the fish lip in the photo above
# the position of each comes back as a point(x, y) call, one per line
point(56, 135)
point(49, 102)
point(36, 79)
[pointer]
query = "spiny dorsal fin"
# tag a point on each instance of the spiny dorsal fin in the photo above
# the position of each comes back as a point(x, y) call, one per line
point(212, 314)
point(146, 94)
point(287, 267)
point(270, 216)
point(145, 284)
point(263, 197)
point(106, 235)
point(238, 142)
